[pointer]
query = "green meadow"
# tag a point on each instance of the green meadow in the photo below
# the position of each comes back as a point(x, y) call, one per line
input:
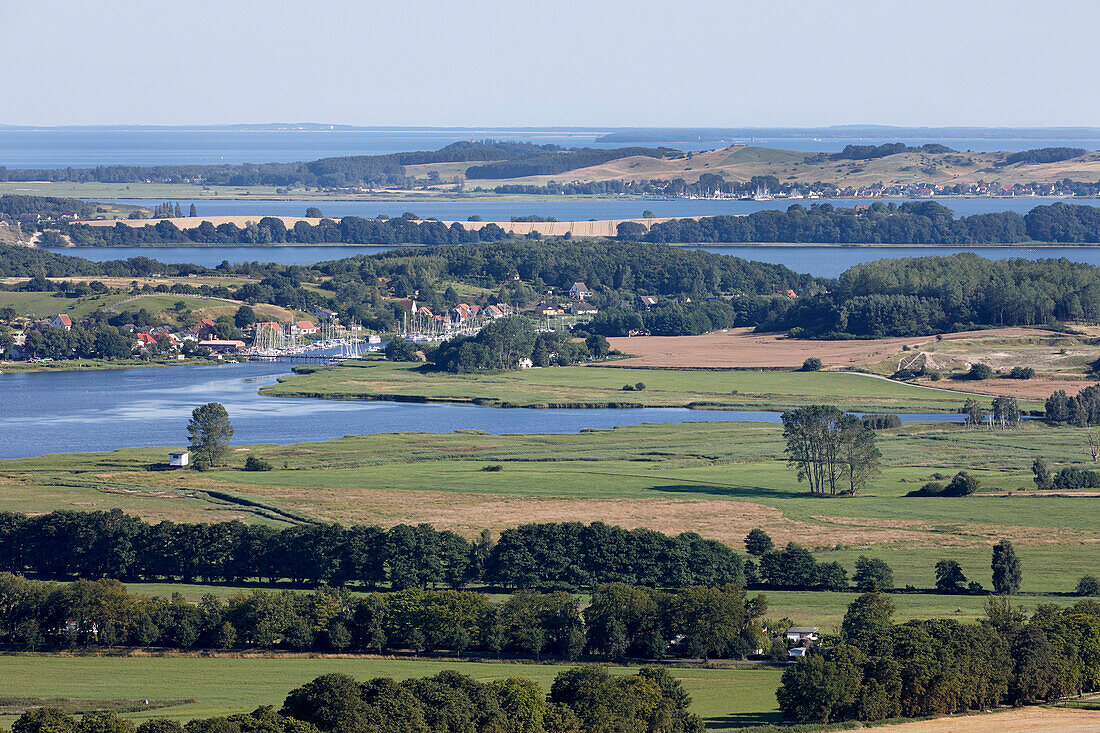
point(728, 697)
point(601, 386)
point(718, 479)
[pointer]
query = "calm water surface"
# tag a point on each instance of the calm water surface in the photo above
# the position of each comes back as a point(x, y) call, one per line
point(54, 412)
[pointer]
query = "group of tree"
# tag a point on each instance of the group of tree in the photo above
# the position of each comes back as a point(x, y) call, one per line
point(584, 698)
point(568, 555)
point(508, 343)
point(870, 152)
point(834, 452)
point(925, 295)
point(97, 341)
point(912, 222)
point(1080, 410)
point(876, 669)
point(622, 621)
point(1066, 479)
point(1038, 156)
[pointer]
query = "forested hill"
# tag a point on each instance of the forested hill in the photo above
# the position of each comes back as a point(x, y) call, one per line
point(698, 291)
point(357, 170)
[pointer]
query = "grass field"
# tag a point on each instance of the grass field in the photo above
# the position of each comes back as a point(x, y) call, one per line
point(718, 479)
point(597, 386)
point(725, 698)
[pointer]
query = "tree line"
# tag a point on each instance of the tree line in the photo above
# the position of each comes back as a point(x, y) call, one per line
point(876, 669)
point(568, 555)
point(912, 222)
point(586, 698)
point(621, 621)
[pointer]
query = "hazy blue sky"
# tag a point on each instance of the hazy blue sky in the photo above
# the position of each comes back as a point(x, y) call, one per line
point(566, 62)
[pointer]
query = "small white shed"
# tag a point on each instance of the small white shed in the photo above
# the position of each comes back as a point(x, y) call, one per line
point(179, 460)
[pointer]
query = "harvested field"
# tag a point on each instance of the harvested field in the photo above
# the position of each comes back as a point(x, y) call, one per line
point(740, 348)
point(1025, 720)
point(1027, 389)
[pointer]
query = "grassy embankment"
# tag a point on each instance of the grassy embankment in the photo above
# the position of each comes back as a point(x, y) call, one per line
point(586, 386)
point(725, 698)
point(718, 479)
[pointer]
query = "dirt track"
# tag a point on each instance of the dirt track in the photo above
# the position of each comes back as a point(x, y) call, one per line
point(1026, 720)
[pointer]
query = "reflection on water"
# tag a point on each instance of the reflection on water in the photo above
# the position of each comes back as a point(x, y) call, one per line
point(52, 412)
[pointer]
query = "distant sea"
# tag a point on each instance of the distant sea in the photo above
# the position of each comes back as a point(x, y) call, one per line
point(84, 147)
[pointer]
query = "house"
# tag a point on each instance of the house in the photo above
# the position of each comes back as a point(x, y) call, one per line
point(323, 313)
point(205, 328)
point(546, 308)
point(222, 346)
point(790, 294)
point(798, 651)
point(302, 328)
point(582, 309)
point(494, 312)
point(802, 633)
point(647, 301)
point(579, 291)
point(63, 322)
point(179, 459)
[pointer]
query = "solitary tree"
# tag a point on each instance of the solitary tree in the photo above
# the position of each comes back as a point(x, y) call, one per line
point(949, 576)
point(193, 212)
point(873, 574)
point(757, 542)
point(209, 432)
point(1042, 473)
point(1006, 568)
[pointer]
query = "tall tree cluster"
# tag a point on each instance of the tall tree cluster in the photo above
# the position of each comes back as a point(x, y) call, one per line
point(832, 451)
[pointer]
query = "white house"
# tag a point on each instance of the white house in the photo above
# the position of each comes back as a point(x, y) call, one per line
point(179, 459)
point(802, 633)
point(579, 291)
point(63, 322)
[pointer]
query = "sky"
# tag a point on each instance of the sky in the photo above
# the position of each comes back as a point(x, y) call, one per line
point(689, 63)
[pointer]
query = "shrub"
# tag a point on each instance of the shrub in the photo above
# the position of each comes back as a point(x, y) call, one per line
point(876, 421)
point(639, 387)
point(1021, 373)
point(929, 489)
point(963, 484)
point(1075, 477)
point(254, 463)
point(979, 372)
point(813, 364)
point(1088, 585)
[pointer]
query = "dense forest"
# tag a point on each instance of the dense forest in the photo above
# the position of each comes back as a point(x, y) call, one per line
point(357, 170)
point(17, 206)
point(870, 152)
point(1043, 155)
point(913, 222)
